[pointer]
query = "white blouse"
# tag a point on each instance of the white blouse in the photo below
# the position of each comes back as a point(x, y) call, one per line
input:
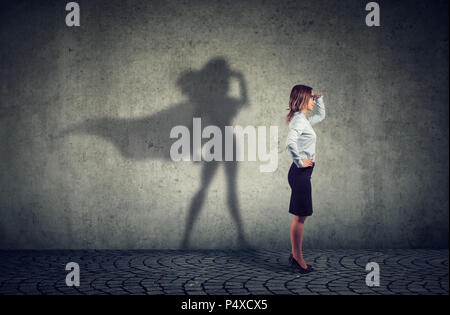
point(301, 139)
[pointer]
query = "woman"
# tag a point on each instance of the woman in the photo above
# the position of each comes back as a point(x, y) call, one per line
point(301, 143)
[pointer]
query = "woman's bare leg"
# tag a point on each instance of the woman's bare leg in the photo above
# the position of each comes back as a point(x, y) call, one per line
point(296, 239)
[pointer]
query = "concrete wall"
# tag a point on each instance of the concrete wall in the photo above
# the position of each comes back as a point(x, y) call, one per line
point(86, 112)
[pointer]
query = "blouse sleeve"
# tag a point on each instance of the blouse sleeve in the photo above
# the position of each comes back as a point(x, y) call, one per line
point(294, 133)
point(320, 112)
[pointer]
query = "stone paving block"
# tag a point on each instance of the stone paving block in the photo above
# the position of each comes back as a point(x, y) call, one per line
point(237, 291)
point(196, 293)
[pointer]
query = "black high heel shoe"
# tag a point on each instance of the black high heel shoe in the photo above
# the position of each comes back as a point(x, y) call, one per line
point(296, 265)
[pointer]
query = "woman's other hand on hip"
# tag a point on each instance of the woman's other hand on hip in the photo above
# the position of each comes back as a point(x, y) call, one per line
point(307, 162)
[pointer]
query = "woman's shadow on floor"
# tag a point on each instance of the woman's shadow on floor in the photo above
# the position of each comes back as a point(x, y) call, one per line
point(207, 92)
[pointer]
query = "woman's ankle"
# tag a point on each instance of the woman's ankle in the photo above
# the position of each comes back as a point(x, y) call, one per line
point(297, 257)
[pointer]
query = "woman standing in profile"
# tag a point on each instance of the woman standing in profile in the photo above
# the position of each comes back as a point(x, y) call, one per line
point(301, 144)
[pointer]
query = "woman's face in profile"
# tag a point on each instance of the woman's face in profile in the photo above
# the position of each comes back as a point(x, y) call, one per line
point(311, 102)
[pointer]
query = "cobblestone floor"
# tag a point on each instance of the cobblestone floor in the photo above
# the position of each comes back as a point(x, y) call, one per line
point(223, 272)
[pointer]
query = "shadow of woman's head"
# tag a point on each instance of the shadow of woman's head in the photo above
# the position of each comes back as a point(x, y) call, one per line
point(211, 82)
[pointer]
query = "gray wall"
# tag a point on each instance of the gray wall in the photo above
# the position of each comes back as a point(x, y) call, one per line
point(85, 116)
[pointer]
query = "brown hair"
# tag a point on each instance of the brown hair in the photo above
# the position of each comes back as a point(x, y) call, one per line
point(300, 96)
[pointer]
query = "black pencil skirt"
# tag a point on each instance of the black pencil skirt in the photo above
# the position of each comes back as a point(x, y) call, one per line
point(300, 182)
